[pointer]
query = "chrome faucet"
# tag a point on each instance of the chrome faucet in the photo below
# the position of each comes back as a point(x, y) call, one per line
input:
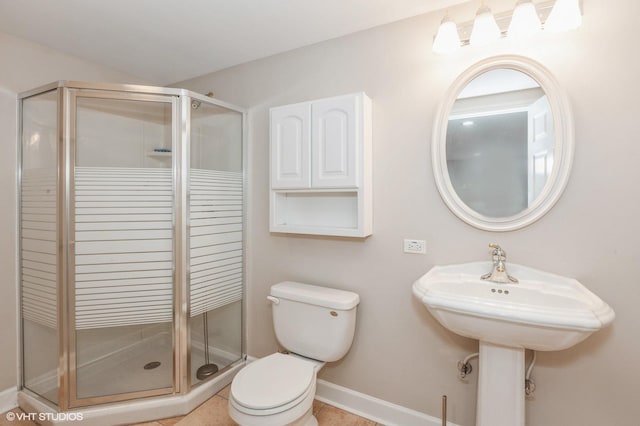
point(499, 272)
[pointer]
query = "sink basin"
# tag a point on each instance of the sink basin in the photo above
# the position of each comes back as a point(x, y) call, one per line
point(543, 311)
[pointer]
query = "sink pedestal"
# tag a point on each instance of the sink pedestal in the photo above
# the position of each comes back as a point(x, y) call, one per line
point(500, 386)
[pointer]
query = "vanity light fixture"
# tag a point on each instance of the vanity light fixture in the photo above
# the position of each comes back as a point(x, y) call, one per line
point(524, 21)
point(485, 28)
point(564, 16)
point(447, 40)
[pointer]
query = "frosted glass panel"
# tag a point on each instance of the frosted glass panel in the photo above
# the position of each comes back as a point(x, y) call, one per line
point(39, 254)
point(123, 215)
point(216, 238)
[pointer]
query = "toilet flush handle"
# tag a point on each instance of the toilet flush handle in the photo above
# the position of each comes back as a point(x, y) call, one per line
point(273, 300)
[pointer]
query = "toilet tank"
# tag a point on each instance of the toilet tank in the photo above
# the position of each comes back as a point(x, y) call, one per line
point(313, 321)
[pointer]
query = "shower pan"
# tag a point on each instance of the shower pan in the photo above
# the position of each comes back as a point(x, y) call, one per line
point(131, 249)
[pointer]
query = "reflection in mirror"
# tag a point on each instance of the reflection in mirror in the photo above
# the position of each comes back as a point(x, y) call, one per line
point(500, 143)
point(503, 143)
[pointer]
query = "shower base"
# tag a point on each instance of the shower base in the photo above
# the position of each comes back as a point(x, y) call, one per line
point(123, 371)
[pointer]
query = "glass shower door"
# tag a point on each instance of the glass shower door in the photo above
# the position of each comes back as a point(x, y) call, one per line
point(122, 301)
point(39, 260)
point(215, 232)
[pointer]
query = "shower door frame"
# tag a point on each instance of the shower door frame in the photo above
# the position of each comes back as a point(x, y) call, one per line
point(60, 277)
point(186, 107)
point(180, 100)
point(72, 95)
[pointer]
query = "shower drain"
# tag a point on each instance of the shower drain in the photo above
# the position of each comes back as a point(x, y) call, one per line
point(151, 365)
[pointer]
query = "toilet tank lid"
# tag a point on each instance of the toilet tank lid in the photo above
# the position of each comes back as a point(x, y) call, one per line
point(316, 295)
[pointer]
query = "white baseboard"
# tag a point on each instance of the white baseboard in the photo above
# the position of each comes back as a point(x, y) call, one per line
point(375, 409)
point(369, 407)
point(363, 405)
point(8, 399)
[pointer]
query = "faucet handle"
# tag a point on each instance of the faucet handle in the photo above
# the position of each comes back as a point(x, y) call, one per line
point(499, 273)
point(497, 250)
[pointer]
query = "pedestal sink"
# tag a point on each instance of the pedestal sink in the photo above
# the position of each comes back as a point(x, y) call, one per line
point(543, 311)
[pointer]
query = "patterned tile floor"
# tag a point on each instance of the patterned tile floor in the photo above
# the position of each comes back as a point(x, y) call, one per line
point(213, 412)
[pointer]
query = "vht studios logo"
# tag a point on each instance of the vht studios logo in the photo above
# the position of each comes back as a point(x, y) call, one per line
point(41, 417)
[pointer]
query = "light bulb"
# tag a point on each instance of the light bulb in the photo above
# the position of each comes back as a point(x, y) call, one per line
point(525, 21)
point(485, 29)
point(447, 40)
point(564, 16)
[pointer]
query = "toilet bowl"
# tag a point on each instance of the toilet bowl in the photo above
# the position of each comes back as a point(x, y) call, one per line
point(276, 390)
point(317, 324)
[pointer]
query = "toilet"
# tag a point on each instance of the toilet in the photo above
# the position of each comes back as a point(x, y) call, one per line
point(316, 325)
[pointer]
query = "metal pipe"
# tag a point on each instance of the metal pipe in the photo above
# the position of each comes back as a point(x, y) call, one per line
point(529, 384)
point(208, 369)
point(530, 369)
point(469, 357)
point(464, 368)
point(444, 410)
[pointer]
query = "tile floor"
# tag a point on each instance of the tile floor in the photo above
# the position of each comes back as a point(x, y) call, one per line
point(214, 413)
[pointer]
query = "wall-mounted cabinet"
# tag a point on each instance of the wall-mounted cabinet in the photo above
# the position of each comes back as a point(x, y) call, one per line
point(321, 167)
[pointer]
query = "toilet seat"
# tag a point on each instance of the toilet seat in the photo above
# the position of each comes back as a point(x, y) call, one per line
point(273, 384)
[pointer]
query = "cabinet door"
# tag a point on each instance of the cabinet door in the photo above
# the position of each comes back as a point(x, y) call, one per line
point(290, 141)
point(334, 142)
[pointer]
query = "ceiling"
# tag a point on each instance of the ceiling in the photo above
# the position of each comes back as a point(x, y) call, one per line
point(166, 41)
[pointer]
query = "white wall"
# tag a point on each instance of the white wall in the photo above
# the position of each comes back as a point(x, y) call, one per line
point(26, 65)
point(401, 354)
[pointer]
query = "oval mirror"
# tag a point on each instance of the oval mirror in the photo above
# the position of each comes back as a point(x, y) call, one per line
point(503, 143)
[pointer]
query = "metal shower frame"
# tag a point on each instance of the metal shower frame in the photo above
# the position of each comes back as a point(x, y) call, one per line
point(180, 101)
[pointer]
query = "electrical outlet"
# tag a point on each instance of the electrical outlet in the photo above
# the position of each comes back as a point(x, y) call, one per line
point(415, 246)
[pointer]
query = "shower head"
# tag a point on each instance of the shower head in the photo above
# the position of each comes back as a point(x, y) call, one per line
point(195, 104)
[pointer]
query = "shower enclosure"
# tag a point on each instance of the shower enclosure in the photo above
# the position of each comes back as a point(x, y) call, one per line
point(131, 234)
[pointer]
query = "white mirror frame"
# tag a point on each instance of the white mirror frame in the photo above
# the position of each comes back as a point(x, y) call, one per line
point(563, 145)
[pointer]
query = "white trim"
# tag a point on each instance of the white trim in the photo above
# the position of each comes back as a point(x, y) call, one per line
point(375, 409)
point(369, 407)
point(8, 399)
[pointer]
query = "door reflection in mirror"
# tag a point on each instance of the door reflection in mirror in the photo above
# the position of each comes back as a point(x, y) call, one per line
point(499, 143)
